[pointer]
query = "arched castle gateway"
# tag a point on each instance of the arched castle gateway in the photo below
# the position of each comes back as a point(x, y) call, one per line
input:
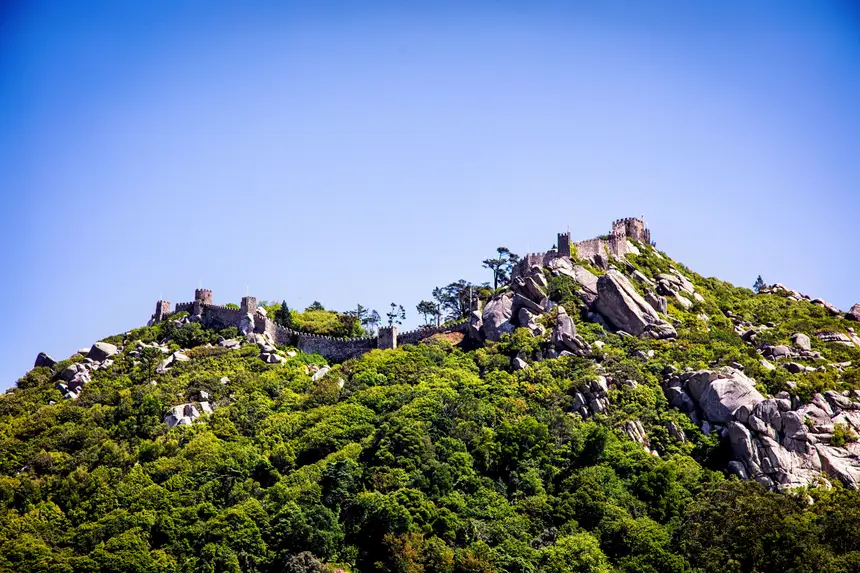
point(615, 244)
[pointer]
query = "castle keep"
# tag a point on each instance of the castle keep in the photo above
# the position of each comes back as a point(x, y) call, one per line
point(248, 318)
point(614, 244)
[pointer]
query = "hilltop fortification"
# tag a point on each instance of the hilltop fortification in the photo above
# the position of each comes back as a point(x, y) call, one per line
point(250, 319)
point(612, 245)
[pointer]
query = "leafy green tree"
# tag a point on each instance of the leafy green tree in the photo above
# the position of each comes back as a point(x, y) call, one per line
point(457, 299)
point(578, 553)
point(315, 305)
point(372, 321)
point(759, 284)
point(429, 310)
point(284, 316)
point(150, 357)
point(501, 265)
point(396, 315)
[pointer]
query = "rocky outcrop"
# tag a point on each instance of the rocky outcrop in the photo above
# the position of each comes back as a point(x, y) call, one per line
point(718, 393)
point(102, 351)
point(777, 445)
point(186, 414)
point(592, 398)
point(626, 310)
point(496, 318)
point(171, 361)
point(854, 313)
point(43, 360)
point(801, 341)
point(564, 335)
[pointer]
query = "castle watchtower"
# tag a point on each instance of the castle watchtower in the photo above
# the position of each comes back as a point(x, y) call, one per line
point(249, 305)
point(162, 310)
point(203, 295)
point(386, 337)
point(632, 228)
point(564, 244)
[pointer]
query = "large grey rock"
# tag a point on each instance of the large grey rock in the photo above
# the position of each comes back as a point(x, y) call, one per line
point(530, 287)
point(182, 415)
point(722, 392)
point(497, 317)
point(626, 310)
point(564, 335)
point(801, 341)
point(656, 301)
point(519, 364)
point(101, 351)
point(837, 337)
point(476, 326)
point(854, 313)
point(247, 325)
point(44, 360)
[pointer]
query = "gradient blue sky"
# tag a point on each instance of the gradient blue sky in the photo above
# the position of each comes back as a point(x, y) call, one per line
point(367, 152)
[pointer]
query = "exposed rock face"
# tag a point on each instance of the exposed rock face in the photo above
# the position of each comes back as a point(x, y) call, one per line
point(586, 279)
point(771, 443)
point(44, 360)
point(496, 317)
point(656, 301)
point(626, 310)
point(719, 393)
point(246, 326)
point(838, 337)
point(564, 335)
point(102, 351)
point(854, 313)
point(476, 326)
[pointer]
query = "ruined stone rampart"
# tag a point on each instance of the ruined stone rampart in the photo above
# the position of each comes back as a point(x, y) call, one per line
point(183, 307)
point(615, 243)
point(592, 247)
point(221, 317)
point(336, 349)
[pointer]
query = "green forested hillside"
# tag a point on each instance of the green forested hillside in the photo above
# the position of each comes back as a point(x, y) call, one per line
point(438, 458)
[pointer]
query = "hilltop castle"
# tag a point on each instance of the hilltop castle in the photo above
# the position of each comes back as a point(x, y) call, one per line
point(250, 319)
point(614, 244)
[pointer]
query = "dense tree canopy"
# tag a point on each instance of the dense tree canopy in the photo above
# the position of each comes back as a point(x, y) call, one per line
point(431, 458)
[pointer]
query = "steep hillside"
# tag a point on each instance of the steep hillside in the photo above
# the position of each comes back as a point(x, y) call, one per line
point(605, 411)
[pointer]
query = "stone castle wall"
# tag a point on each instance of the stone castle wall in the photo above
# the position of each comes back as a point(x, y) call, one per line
point(615, 243)
point(332, 348)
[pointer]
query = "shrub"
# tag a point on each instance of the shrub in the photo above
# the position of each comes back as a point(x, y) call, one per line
point(842, 434)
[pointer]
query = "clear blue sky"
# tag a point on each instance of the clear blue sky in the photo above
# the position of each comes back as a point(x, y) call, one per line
point(342, 153)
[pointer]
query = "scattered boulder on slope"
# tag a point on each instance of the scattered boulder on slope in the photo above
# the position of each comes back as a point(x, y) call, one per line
point(102, 351)
point(626, 310)
point(854, 313)
point(186, 414)
point(801, 341)
point(496, 317)
point(44, 360)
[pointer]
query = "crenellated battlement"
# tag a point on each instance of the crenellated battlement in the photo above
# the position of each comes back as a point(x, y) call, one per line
point(331, 347)
point(614, 244)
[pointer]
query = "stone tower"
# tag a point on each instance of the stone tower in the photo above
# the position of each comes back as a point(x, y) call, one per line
point(386, 337)
point(162, 310)
point(564, 244)
point(249, 305)
point(203, 295)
